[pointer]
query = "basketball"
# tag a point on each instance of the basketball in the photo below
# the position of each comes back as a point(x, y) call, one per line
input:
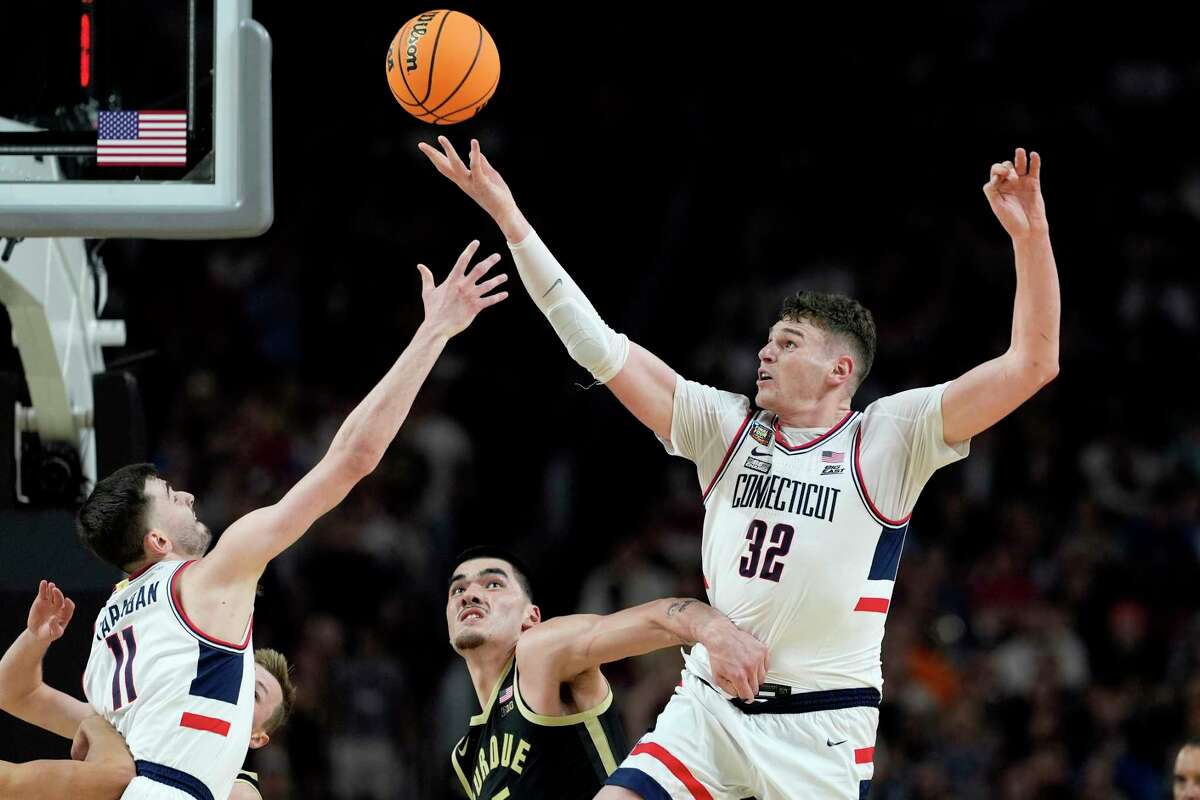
point(443, 67)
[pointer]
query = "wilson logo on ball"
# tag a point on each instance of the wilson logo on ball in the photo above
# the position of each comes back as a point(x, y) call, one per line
point(419, 28)
point(451, 67)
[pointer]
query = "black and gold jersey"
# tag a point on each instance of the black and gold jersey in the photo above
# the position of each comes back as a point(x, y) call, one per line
point(250, 779)
point(512, 752)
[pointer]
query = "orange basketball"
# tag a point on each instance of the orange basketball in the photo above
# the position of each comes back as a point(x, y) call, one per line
point(443, 67)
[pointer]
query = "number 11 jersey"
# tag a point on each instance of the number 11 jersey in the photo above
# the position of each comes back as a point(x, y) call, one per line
point(183, 701)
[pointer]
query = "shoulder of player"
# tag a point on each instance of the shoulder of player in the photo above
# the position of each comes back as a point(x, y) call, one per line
point(245, 786)
point(211, 574)
point(547, 640)
point(712, 396)
point(901, 404)
point(541, 680)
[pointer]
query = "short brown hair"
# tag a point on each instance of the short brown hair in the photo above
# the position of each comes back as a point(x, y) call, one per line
point(112, 521)
point(840, 315)
point(276, 663)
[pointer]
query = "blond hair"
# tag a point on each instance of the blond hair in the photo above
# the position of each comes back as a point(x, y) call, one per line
point(276, 663)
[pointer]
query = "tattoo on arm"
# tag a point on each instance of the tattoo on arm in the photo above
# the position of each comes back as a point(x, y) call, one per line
point(678, 608)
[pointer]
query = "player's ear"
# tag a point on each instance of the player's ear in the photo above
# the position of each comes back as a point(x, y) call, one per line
point(532, 617)
point(156, 543)
point(843, 370)
point(259, 739)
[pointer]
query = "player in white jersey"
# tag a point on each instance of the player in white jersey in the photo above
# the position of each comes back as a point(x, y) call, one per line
point(109, 768)
point(171, 664)
point(806, 501)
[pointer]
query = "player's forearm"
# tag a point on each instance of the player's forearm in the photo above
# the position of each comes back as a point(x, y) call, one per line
point(688, 620)
point(512, 223)
point(55, 779)
point(371, 426)
point(1037, 307)
point(21, 671)
point(589, 340)
point(106, 747)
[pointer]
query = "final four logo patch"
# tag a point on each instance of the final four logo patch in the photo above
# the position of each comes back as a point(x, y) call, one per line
point(760, 433)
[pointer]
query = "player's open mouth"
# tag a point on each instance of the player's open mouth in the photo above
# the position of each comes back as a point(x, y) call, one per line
point(470, 614)
point(763, 377)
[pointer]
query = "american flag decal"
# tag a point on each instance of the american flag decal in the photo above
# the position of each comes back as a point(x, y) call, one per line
point(141, 139)
point(506, 695)
point(832, 457)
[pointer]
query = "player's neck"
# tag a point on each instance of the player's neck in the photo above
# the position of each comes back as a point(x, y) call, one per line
point(486, 665)
point(824, 412)
point(147, 563)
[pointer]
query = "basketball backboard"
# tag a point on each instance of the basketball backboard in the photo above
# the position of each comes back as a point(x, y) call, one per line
point(135, 118)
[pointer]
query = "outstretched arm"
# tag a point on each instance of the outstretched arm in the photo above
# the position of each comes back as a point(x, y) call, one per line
point(641, 381)
point(564, 647)
point(987, 394)
point(22, 692)
point(246, 546)
point(101, 771)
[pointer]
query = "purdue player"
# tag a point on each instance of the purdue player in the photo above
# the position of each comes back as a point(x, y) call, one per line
point(274, 697)
point(806, 500)
point(547, 727)
point(171, 663)
point(1185, 778)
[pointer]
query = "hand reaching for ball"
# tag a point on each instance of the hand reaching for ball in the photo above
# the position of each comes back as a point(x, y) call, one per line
point(480, 181)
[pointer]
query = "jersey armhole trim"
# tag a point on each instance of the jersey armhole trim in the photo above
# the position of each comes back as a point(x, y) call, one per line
point(181, 615)
point(861, 485)
point(570, 719)
point(733, 446)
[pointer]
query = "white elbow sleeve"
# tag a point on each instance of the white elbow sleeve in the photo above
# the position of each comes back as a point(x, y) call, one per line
point(589, 341)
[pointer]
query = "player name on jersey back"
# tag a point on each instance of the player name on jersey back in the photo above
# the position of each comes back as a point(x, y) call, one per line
point(183, 700)
point(114, 612)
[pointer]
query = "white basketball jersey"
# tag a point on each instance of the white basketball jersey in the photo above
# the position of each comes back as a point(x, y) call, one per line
point(183, 701)
point(795, 551)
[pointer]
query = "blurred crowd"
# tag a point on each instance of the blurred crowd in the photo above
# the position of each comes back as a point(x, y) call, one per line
point(1044, 640)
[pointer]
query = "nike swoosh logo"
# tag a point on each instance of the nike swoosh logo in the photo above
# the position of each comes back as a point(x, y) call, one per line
point(828, 743)
point(462, 751)
point(553, 286)
point(754, 451)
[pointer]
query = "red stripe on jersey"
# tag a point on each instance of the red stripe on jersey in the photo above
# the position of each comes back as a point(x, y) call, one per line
point(178, 601)
point(676, 766)
point(863, 484)
point(879, 604)
point(728, 454)
point(200, 722)
point(781, 440)
point(864, 755)
point(133, 576)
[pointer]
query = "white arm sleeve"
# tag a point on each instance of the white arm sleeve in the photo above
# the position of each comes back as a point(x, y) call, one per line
point(704, 421)
point(902, 446)
point(593, 345)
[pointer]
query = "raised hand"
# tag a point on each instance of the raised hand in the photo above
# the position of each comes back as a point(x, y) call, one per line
point(50, 613)
point(1015, 193)
point(454, 304)
point(480, 180)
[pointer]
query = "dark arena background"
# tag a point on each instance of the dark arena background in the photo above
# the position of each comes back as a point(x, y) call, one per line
point(689, 168)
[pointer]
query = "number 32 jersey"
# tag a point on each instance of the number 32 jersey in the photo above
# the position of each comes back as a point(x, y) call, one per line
point(799, 548)
point(183, 701)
